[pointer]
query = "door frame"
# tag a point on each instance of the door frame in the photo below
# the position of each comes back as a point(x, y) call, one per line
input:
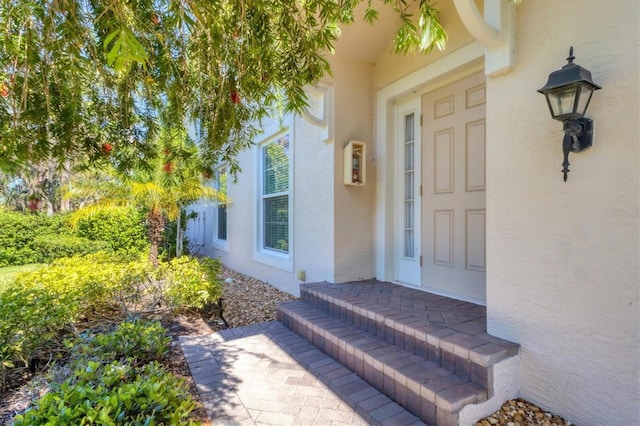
point(461, 63)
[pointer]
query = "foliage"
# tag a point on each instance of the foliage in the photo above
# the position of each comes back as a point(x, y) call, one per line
point(122, 227)
point(18, 232)
point(191, 282)
point(35, 187)
point(174, 179)
point(94, 79)
point(173, 234)
point(8, 274)
point(27, 238)
point(30, 321)
point(115, 393)
point(114, 382)
point(138, 341)
point(52, 246)
point(97, 281)
point(40, 303)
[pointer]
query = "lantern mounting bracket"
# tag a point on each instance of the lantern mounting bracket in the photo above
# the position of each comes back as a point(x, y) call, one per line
point(578, 136)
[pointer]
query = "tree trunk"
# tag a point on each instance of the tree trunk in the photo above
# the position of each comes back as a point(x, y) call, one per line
point(155, 223)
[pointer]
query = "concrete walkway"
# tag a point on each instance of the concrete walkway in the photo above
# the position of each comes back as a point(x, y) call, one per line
point(266, 374)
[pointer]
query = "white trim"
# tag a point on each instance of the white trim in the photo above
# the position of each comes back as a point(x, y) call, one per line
point(496, 30)
point(459, 64)
point(268, 257)
point(476, 25)
point(401, 262)
point(216, 243)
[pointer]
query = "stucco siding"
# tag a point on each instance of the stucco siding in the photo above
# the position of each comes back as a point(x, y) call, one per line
point(562, 274)
point(311, 203)
point(353, 214)
point(332, 223)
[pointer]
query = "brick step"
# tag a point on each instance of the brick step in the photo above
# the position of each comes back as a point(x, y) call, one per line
point(425, 388)
point(447, 332)
point(229, 368)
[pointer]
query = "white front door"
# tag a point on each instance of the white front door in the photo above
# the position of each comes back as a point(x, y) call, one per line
point(407, 154)
point(453, 203)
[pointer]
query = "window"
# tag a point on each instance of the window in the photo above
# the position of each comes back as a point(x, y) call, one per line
point(220, 209)
point(275, 196)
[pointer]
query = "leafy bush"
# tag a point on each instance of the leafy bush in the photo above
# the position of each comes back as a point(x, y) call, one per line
point(51, 247)
point(29, 238)
point(191, 283)
point(105, 280)
point(18, 233)
point(112, 387)
point(84, 282)
point(30, 321)
point(123, 228)
point(14, 256)
point(40, 303)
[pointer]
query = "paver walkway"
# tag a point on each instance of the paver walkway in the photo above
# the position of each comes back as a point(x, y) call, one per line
point(266, 374)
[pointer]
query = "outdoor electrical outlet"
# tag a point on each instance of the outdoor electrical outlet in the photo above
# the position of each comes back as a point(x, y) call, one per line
point(302, 275)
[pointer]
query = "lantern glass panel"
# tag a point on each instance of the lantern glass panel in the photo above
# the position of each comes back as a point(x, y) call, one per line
point(585, 96)
point(562, 100)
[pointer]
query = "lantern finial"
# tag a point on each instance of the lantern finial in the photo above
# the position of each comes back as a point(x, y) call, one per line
point(571, 57)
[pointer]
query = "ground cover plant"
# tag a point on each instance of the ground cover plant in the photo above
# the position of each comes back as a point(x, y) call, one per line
point(114, 378)
point(46, 318)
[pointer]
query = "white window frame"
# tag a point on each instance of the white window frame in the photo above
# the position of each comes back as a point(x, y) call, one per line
point(274, 258)
point(217, 243)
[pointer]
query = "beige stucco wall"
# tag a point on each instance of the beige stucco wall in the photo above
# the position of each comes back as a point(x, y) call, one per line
point(562, 274)
point(353, 214)
point(312, 205)
point(332, 223)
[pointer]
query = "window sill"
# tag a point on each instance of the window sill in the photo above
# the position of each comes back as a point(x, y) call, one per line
point(221, 246)
point(274, 259)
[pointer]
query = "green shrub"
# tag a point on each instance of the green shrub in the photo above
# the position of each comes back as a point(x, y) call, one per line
point(84, 282)
point(105, 280)
point(191, 283)
point(123, 228)
point(30, 321)
point(113, 382)
point(40, 303)
point(14, 256)
point(51, 247)
point(18, 232)
point(58, 224)
point(29, 238)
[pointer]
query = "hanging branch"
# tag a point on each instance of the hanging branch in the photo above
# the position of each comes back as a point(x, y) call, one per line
point(79, 75)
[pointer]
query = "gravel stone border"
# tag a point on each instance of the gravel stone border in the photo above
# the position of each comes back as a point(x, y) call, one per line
point(518, 412)
point(248, 301)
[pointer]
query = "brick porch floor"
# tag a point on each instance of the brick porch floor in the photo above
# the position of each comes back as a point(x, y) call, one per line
point(372, 352)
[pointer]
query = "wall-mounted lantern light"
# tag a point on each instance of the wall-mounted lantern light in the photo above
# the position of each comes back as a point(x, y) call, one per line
point(568, 92)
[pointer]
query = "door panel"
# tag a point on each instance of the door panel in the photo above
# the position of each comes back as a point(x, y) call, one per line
point(453, 202)
point(408, 204)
